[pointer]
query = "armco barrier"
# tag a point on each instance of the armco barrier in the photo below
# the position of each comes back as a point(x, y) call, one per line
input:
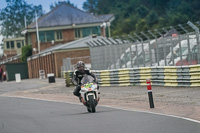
point(162, 76)
point(195, 75)
point(68, 76)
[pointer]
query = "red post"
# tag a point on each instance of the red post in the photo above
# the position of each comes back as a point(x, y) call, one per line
point(151, 103)
point(148, 85)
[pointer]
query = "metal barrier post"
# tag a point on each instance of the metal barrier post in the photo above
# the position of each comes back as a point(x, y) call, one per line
point(112, 52)
point(164, 49)
point(156, 47)
point(67, 80)
point(151, 103)
point(179, 45)
point(136, 54)
point(188, 42)
point(149, 47)
point(143, 53)
point(133, 40)
point(91, 55)
point(172, 51)
point(197, 37)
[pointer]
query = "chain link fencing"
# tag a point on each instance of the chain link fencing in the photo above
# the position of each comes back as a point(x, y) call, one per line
point(170, 46)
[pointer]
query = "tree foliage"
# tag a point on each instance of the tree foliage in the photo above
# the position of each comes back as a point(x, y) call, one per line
point(55, 4)
point(12, 16)
point(90, 6)
point(26, 52)
point(139, 15)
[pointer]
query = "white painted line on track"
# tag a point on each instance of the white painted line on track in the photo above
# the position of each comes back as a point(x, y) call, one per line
point(185, 118)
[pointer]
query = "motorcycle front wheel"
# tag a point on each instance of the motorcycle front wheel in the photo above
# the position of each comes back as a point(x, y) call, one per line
point(92, 104)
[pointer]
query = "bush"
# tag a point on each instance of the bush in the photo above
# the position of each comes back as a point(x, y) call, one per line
point(26, 52)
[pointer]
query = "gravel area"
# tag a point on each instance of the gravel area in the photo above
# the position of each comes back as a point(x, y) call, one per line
point(179, 101)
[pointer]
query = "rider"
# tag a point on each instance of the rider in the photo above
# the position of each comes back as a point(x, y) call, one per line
point(78, 75)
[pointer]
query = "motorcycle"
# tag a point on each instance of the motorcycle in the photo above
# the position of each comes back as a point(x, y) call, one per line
point(89, 93)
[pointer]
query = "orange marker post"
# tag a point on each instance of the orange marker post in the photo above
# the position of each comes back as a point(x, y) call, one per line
point(151, 103)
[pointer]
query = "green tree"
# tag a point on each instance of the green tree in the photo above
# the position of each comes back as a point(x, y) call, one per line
point(57, 3)
point(141, 26)
point(12, 16)
point(152, 18)
point(90, 6)
point(26, 52)
point(139, 15)
point(142, 11)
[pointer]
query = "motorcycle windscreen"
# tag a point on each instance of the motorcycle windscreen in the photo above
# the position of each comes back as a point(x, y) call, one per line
point(87, 79)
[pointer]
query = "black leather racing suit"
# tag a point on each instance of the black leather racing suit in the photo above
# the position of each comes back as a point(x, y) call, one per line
point(77, 77)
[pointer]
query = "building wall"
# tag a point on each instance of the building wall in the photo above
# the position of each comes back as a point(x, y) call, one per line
point(68, 35)
point(15, 50)
point(9, 53)
point(13, 61)
point(52, 63)
point(33, 40)
point(45, 63)
point(59, 56)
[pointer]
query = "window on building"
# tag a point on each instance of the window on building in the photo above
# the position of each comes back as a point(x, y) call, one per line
point(42, 37)
point(22, 43)
point(18, 44)
point(78, 33)
point(50, 36)
point(58, 35)
point(91, 30)
point(7, 45)
point(46, 36)
point(12, 45)
point(29, 40)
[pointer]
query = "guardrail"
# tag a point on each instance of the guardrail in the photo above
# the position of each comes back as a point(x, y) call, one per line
point(162, 76)
point(68, 77)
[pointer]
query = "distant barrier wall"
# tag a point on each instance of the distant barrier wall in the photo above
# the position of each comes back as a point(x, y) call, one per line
point(162, 76)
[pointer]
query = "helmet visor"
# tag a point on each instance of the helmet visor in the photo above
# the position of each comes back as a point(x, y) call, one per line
point(81, 68)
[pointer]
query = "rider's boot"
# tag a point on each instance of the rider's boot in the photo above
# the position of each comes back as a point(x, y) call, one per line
point(80, 99)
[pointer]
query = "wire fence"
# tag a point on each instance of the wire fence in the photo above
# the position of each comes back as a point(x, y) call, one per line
point(170, 46)
point(69, 64)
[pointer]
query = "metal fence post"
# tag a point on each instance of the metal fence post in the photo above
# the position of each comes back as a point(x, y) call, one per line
point(134, 41)
point(106, 53)
point(149, 47)
point(124, 50)
point(197, 37)
point(143, 53)
point(99, 59)
point(157, 57)
point(91, 54)
point(164, 49)
point(95, 61)
point(188, 42)
point(113, 53)
point(180, 47)
point(172, 51)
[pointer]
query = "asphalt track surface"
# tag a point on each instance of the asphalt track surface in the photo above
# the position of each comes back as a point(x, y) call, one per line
point(20, 115)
